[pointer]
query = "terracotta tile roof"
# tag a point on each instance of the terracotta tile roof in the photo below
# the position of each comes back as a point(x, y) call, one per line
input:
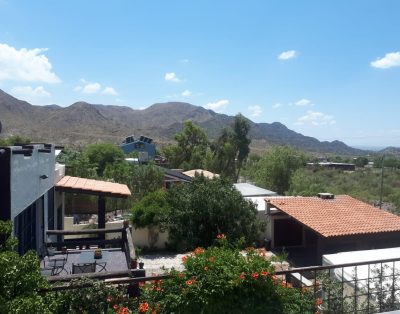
point(340, 216)
point(90, 186)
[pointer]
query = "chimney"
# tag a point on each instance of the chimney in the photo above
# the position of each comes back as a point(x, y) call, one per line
point(326, 196)
point(267, 207)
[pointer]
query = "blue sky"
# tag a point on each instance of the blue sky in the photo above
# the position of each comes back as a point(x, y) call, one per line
point(327, 69)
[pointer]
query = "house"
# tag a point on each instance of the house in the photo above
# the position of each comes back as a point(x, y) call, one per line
point(333, 165)
point(27, 192)
point(172, 177)
point(32, 189)
point(308, 227)
point(143, 145)
point(257, 196)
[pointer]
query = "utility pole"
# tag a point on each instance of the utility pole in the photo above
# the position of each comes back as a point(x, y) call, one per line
point(380, 200)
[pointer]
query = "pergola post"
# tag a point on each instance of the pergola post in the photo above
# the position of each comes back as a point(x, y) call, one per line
point(101, 215)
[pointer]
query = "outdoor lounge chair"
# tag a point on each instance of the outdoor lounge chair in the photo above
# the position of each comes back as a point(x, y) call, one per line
point(83, 268)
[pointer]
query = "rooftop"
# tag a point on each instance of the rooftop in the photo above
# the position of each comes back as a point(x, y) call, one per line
point(90, 186)
point(206, 173)
point(247, 189)
point(341, 216)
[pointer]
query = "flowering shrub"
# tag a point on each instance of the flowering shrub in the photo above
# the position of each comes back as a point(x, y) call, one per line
point(223, 280)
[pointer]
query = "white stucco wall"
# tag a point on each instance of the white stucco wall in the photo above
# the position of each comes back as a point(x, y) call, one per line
point(142, 237)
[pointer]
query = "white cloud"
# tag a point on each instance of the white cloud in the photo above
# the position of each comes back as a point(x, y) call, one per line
point(25, 65)
point(315, 118)
point(91, 88)
point(217, 106)
point(277, 105)
point(304, 102)
point(186, 93)
point(109, 91)
point(171, 77)
point(286, 55)
point(35, 96)
point(391, 59)
point(255, 111)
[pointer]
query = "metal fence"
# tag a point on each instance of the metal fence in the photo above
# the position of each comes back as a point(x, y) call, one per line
point(364, 287)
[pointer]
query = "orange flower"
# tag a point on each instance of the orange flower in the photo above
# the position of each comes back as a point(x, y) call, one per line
point(242, 276)
point(189, 282)
point(184, 259)
point(198, 251)
point(264, 273)
point(205, 268)
point(142, 283)
point(255, 275)
point(115, 307)
point(123, 310)
point(109, 299)
point(221, 236)
point(318, 301)
point(180, 275)
point(143, 307)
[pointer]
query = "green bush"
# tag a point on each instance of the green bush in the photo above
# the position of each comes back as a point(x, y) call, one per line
point(20, 278)
point(150, 210)
point(205, 208)
point(223, 280)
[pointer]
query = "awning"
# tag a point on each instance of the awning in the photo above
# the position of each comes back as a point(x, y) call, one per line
point(93, 187)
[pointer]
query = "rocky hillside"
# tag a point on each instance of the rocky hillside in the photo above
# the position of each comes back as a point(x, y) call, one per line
point(83, 123)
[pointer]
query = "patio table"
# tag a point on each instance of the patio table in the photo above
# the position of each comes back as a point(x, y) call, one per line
point(87, 257)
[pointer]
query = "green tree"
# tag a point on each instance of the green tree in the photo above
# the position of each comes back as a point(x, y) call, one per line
point(150, 210)
point(301, 183)
point(145, 179)
point(241, 129)
point(232, 148)
point(275, 168)
point(99, 155)
point(361, 161)
point(191, 147)
point(205, 208)
point(225, 154)
point(20, 278)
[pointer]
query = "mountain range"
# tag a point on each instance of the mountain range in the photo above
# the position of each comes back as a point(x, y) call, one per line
point(82, 123)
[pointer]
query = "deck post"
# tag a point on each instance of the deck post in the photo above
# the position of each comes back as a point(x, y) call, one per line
point(101, 215)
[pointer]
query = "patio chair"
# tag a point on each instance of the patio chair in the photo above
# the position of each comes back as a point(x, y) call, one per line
point(102, 266)
point(55, 265)
point(83, 268)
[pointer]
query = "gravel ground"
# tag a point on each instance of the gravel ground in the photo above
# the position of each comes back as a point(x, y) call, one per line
point(155, 262)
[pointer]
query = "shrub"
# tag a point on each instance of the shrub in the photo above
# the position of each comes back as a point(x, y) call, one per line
point(223, 280)
point(20, 278)
point(150, 210)
point(205, 208)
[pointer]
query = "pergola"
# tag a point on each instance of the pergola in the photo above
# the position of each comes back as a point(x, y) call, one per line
point(102, 189)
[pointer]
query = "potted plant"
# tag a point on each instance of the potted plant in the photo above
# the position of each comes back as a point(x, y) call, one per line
point(137, 253)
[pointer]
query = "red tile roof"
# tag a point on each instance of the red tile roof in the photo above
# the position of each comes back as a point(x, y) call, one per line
point(340, 216)
point(90, 186)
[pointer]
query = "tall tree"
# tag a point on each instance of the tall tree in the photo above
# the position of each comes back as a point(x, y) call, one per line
point(241, 129)
point(275, 168)
point(191, 147)
point(102, 154)
point(232, 148)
